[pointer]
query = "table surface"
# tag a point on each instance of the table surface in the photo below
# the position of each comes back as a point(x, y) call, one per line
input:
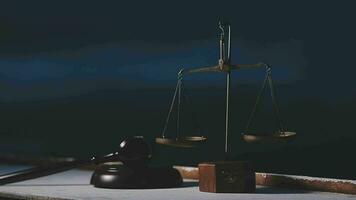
point(74, 184)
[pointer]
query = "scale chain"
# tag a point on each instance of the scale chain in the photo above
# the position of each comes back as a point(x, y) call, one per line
point(178, 108)
point(273, 96)
point(268, 78)
point(179, 90)
point(252, 115)
point(170, 110)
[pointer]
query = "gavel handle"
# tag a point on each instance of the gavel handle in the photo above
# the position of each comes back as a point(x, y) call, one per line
point(46, 170)
point(41, 171)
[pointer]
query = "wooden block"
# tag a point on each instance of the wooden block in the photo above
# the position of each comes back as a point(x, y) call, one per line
point(226, 177)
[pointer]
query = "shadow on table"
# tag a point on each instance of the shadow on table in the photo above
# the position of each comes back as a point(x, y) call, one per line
point(185, 184)
point(259, 189)
point(190, 184)
point(32, 185)
point(275, 190)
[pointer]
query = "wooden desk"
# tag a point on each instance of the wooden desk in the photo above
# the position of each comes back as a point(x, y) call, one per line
point(74, 184)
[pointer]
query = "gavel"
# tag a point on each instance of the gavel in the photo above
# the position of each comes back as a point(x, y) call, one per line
point(133, 152)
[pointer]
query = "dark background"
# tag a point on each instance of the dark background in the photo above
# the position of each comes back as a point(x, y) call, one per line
point(76, 77)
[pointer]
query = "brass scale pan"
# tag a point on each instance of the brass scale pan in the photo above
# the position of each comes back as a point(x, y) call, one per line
point(285, 136)
point(192, 141)
point(184, 142)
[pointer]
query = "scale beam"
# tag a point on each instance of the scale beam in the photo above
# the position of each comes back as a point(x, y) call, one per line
point(220, 68)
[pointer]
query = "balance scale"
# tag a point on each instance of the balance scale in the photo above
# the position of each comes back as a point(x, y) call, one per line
point(225, 176)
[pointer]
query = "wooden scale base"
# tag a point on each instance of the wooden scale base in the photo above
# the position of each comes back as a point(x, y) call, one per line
point(227, 177)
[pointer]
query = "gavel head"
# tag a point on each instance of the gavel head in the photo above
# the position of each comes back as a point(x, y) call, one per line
point(134, 151)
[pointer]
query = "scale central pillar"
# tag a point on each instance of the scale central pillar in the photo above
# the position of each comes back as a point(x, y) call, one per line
point(227, 113)
point(226, 176)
